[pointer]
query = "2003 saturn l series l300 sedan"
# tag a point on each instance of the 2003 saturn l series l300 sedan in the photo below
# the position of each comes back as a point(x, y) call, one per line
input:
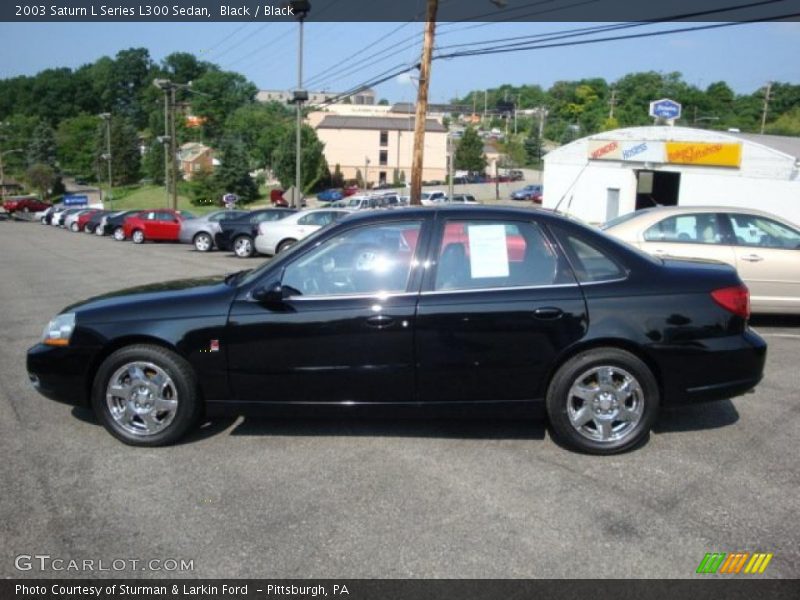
point(429, 308)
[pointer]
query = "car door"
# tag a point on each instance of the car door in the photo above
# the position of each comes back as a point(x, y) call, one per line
point(344, 329)
point(690, 235)
point(768, 261)
point(497, 308)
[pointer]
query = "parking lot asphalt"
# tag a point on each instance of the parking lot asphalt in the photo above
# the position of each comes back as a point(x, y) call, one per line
point(373, 498)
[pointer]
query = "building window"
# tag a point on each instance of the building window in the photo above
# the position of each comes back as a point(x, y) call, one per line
point(384, 139)
point(384, 158)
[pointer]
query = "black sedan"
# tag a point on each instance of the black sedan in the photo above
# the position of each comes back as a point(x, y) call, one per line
point(421, 310)
point(95, 220)
point(239, 234)
point(111, 224)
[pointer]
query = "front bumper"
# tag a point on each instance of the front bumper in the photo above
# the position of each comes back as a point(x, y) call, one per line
point(60, 373)
point(222, 242)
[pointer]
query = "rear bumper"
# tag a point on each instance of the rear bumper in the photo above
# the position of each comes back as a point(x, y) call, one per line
point(718, 369)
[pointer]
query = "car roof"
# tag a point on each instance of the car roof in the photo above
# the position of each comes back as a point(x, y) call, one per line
point(466, 211)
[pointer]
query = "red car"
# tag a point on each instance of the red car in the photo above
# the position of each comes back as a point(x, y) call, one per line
point(81, 221)
point(163, 224)
point(25, 204)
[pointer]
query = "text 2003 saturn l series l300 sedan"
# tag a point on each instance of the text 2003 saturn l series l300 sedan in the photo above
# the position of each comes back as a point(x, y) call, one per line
point(444, 309)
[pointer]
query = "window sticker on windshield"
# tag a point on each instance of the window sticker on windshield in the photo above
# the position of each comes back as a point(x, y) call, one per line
point(488, 251)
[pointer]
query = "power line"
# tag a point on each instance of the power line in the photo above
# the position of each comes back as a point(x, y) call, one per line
point(225, 39)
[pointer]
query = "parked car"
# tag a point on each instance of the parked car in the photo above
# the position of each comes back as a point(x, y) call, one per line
point(462, 199)
point(763, 248)
point(93, 221)
point(532, 193)
point(60, 216)
point(350, 190)
point(383, 311)
point(46, 215)
point(111, 224)
point(432, 197)
point(277, 236)
point(201, 231)
point(360, 202)
point(331, 195)
point(239, 234)
point(72, 221)
point(157, 225)
point(516, 175)
point(24, 204)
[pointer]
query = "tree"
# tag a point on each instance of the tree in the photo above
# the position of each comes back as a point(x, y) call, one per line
point(260, 127)
point(233, 175)
point(337, 179)
point(41, 177)
point(469, 153)
point(787, 124)
point(75, 144)
point(42, 147)
point(205, 189)
point(314, 167)
point(219, 94)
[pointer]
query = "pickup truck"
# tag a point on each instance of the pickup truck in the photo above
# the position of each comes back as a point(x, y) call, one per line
point(24, 204)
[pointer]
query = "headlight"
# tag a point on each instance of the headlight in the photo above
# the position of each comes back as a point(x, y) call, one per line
point(59, 330)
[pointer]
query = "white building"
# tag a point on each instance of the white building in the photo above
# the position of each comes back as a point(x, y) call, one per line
point(615, 172)
point(364, 97)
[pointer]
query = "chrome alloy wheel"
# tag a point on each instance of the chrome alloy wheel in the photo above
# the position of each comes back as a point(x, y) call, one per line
point(142, 398)
point(202, 242)
point(243, 247)
point(605, 404)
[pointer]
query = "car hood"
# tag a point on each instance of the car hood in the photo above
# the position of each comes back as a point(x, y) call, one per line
point(165, 300)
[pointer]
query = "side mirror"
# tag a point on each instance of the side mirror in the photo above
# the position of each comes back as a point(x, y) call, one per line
point(274, 293)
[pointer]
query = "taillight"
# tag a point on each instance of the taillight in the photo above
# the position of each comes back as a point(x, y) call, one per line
point(735, 299)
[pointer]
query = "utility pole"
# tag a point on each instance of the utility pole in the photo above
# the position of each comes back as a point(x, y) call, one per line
point(450, 162)
point(173, 149)
point(422, 102)
point(766, 106)
point(107, 118)
point(300, 9)
point(366, 173)
point(612, 103)
point(165, 146)
point(485, 104)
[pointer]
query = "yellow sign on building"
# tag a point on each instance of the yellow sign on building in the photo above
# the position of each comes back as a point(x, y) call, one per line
point(715, 154)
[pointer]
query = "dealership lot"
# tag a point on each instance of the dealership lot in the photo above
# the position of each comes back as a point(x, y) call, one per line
point(374, 498)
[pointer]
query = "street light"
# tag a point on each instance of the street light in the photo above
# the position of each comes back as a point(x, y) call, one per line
point(301, 9)
point(2, 173)
point(107, 156)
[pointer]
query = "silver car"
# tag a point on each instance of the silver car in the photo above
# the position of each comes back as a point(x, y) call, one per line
point(200, 231)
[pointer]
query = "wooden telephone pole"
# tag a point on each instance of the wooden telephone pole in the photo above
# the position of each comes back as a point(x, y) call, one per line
point(422, 102)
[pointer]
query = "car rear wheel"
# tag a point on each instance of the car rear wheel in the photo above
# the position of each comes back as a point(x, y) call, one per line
point(119, 234)
point(74, 228)
point(88, 228)
point(603, 401)
point(137, 236)
point(203, 242)
point(285, 245)
point(243, 246)
point(146, 395)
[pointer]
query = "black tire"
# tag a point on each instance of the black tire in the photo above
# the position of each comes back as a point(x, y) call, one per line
point(561, 404)
point(88, 228)
point(137, 236)
point(189, 407)
point(285, 245)
point(118, 234)
point(74, 227)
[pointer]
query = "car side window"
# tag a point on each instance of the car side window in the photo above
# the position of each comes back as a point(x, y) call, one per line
point(697, 228)
point(370, 260)
point(758, 231)
point(494, 254)
point(590, 263)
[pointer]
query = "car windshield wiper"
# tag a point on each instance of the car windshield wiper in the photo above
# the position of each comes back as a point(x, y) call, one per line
point(233, 278)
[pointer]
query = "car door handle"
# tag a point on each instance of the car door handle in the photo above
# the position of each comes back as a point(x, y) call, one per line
point(380, 322)
point(753, 258)
point(659, 251)
point(548, 313)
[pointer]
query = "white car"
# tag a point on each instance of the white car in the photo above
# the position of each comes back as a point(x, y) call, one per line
point(71, 221)
point(276, 236)
point(433, 197)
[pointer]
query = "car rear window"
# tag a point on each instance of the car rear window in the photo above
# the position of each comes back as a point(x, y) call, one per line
point(590, 263)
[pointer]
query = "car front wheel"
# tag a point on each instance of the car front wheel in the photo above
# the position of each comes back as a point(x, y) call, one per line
point(243, 246)
point(74, 228)
point(202, 242)
point(138, 236)
point(146, 395)
point(119, 234)
point(603, 401)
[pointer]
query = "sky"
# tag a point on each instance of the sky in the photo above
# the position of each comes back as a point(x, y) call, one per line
point(339, 56)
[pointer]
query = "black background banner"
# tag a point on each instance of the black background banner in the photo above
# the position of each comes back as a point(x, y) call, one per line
point(397, 10)
point(701, 588)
